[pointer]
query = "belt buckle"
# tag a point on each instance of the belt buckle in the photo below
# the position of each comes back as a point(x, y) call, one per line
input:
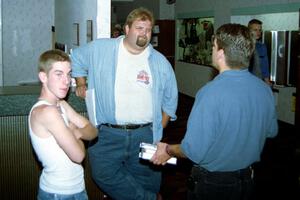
point(133, 126)
point(126, 126)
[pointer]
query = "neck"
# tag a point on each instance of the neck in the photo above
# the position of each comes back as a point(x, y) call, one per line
point(223, 68)
point(48, 100)
point(48, 97)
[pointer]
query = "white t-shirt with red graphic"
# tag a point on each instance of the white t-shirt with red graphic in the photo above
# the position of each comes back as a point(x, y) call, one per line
point(133, 87)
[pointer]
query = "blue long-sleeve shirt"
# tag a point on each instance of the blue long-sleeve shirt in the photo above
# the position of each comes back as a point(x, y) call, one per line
point(231, 118)
point(263, 58)
point(98, 60)
point(260, 67)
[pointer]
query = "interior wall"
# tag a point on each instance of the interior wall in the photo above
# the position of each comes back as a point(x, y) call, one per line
point(166, 11)
point(68, 12)
point(273, 21)
point(122, 9)
point(192, 77)
point(26, 33)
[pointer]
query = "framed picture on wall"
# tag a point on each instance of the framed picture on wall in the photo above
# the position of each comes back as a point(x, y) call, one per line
point(194, 40)
point(75, 33)
point(89, 31)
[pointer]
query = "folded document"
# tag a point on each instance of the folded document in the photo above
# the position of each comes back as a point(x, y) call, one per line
point(147, 151)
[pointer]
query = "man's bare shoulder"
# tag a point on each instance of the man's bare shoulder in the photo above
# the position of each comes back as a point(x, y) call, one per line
point(44, 111)
point(42, 118)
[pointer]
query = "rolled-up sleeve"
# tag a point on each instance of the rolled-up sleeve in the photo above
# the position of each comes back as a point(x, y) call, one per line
point(80, 64)
point(170, 98)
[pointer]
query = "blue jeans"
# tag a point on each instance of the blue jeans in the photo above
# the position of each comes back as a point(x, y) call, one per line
point(205, 185)
point(116, 167)
point(42, 195)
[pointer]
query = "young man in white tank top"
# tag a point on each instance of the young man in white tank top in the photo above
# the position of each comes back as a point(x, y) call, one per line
point(57, 130)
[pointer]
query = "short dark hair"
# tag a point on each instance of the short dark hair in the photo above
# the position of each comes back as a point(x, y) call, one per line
point(254, 21)
point(237, 43)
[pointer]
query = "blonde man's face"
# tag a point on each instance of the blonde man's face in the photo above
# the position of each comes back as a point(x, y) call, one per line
point(58, 79)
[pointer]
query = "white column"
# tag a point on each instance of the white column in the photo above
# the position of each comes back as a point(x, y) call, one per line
point(103, 18)
point(1, 66)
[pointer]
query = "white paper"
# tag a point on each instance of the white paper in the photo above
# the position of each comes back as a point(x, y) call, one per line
point(147, 151)
point(90, 106)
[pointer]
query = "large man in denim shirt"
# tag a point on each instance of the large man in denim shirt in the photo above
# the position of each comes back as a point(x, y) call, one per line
point(110, 66)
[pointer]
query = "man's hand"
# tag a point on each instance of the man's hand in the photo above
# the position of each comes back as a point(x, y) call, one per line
point(80, 86)
point(268, 81)
point(161, 156)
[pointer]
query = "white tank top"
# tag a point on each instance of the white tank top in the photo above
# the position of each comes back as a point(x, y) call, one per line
point(59, 175)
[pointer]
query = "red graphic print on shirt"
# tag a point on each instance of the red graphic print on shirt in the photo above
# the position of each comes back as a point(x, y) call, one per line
point(143, 77)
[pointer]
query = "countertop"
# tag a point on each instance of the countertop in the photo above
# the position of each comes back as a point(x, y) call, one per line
point(18, 100)
point(20, 90)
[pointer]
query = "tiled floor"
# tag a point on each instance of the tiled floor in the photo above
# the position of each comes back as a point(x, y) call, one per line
point(276, 176)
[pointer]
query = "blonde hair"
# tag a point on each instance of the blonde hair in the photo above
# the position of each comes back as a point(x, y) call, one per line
point(140, 14)
point(49, 57)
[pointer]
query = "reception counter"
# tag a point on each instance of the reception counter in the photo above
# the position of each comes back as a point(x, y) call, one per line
point(18, 100)
point(19, 168)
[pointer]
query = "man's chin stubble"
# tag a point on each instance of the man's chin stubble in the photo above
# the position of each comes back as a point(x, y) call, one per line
point(141, 42)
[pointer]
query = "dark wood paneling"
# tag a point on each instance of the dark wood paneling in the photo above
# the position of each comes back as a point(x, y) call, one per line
point(166, 39)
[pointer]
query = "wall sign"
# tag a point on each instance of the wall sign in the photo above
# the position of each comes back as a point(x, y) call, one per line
point(89, 31)
point(75, 32)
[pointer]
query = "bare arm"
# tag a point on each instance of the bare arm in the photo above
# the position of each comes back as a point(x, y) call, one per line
point(52, 123)
point(80, 86)
point(165, 119)
point(175, 150)
point(82, 128)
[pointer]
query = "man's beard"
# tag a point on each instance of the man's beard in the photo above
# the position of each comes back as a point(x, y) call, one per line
point(141, 41)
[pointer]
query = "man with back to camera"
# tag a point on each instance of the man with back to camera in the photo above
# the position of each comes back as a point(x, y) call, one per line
point(136, 95)
point(230, 120)
point(259, 63)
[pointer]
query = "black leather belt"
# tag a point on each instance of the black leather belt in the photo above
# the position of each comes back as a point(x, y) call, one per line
point(127, 126)
point(246, 172)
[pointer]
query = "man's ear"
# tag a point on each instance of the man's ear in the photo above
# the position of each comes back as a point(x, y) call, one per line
point(126, 29)
point(220, 54)
point(43, 77)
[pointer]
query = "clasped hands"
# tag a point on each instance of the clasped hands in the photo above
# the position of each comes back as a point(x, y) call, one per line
point(160, 157)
